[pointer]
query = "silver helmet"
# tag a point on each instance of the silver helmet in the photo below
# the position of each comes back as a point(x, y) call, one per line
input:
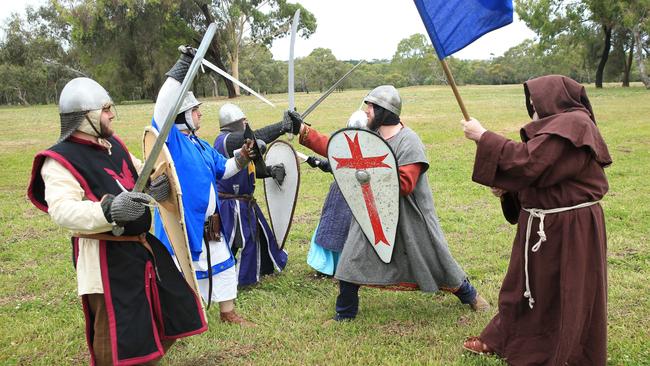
point(358, 119)
point(78, 97)
point(387, 97)
point(230, 113)
point(189, 103)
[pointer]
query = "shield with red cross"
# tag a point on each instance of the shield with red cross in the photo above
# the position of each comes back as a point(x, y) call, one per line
point(365, 170)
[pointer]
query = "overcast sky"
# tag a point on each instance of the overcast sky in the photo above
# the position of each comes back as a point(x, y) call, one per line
point(362, 29)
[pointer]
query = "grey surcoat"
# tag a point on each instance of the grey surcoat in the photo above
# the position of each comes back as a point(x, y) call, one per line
point(421, 254)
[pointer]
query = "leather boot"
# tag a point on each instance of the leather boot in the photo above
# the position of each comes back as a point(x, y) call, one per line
point(480, 304)
point(234, 318)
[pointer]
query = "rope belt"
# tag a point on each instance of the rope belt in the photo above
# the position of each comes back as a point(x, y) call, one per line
point(541, 214)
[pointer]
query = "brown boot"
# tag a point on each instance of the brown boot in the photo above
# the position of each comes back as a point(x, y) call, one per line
point(234, 318)
point(479, 304)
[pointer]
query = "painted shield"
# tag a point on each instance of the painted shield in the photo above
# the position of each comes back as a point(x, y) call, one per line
point(281, 199)
point(171, 210)
point(365, 170)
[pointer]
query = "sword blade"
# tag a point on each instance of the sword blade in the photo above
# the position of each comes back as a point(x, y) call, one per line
point(302, 157)
point(329, 91)
point(291, 88)
point(214, 68)
point(169, 120)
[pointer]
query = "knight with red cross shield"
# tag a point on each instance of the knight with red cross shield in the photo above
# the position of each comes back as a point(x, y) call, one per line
point(365, 169)
point(395, 239)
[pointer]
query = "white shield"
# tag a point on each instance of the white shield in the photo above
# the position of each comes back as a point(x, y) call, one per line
point(281, 199)
point(171, 210)
point(365, 170)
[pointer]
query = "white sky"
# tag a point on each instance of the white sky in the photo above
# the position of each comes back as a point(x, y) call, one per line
point(362, 29)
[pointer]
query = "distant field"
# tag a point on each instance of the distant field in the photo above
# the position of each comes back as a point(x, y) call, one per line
point(41, 322)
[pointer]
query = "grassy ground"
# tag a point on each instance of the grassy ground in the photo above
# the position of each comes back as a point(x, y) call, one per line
point(40, 315)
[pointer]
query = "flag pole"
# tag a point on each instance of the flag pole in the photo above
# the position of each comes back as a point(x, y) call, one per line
point(452, 83)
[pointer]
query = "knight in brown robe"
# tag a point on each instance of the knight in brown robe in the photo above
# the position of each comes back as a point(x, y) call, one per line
point(553, 300)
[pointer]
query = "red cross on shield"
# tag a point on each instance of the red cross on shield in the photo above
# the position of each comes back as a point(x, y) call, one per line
point(365, 169)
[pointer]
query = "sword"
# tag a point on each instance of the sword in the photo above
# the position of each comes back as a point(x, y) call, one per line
point(169, 120)
point(291, 89)
point(214, 68)
point(329, 91)
point(302, 157)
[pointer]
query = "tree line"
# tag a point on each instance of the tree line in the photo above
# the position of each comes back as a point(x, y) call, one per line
point(128, 45)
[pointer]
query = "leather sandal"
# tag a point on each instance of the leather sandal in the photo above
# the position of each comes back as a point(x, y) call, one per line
point(475, 345)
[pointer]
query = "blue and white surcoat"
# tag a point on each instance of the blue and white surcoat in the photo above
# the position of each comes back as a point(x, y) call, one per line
point(244, 224)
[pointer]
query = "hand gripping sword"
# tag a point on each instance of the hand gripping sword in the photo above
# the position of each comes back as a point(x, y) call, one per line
point(169, 120)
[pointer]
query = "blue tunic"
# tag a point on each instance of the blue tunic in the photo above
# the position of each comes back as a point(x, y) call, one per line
point(244, 225)
point(198, 167)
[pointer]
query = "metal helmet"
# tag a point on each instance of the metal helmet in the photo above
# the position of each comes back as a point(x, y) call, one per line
point(189, 102)
point(229, 113)
point(82, 95)
point(387, 97)
point(358, 119)
point(78, 97)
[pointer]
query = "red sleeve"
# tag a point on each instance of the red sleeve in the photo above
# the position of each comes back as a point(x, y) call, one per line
point(408, 177)
point(314, 141)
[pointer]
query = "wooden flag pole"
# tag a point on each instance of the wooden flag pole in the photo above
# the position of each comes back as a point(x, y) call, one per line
point(452, 83)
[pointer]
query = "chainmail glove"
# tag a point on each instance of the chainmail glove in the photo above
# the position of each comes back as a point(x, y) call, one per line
point(125, 207)
point(278, 172)
point(159, 188)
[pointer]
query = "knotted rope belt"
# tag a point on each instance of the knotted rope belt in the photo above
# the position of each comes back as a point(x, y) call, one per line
point(541, 214)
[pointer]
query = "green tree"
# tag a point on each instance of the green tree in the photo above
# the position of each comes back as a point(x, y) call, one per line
point(415, 58)
point(575, 19)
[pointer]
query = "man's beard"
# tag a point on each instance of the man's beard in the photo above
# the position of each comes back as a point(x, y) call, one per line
point(374, 124)
point(105, 131)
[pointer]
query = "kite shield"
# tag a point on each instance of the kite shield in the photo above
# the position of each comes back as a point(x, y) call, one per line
point(171, 210)
point(281, 199)
point(365, 170)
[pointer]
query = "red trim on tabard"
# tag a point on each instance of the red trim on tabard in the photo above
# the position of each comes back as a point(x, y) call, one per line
point(36, 169)
point(110, 311)
point(89, 324)
point(81, 141)
point(66, 164)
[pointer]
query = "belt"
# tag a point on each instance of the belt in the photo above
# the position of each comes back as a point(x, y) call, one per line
point(541, 214)
point(241, 197)
point(142, 239)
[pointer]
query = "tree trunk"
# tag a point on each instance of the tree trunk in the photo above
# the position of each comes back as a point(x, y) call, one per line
point(639, 56)
point(213, 51)
point(603, 58)
point(215, 87)
point(628, 65)
point(235, 70)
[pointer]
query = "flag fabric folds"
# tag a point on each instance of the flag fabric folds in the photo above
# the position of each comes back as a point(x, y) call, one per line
point(454, 24)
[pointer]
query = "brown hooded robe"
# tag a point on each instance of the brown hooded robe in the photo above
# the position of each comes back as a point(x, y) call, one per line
point(559, 164)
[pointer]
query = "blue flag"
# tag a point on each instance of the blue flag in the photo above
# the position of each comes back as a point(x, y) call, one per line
point(454, 24)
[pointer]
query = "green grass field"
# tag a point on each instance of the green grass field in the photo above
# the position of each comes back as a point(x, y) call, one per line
point(40, 314)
